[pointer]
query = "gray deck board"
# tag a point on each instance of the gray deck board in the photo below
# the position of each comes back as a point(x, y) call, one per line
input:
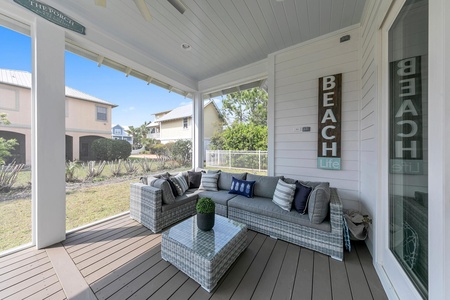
point(321, 278)
point(304, 277)
point(371, 276)
point(120, 259)
point(357, 279)
point(267, 282)
point(251, 278)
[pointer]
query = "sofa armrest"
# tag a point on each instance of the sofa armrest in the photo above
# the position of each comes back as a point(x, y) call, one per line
point(336, 212)
point(144, 199)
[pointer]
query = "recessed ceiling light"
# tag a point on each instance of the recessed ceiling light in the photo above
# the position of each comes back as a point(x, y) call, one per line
point(185, 46)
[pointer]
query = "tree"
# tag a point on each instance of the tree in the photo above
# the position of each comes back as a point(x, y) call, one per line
point(139, 134)
point(246, 112)
point(182, 151)
point(240, 136)
point(5, 145)
point(248, 106)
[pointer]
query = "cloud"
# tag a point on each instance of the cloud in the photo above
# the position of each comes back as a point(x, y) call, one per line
point(131, 108)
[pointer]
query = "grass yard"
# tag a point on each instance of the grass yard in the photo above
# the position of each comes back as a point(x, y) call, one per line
point(84, 206)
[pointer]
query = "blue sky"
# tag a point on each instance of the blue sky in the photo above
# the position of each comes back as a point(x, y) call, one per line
point(137, 101)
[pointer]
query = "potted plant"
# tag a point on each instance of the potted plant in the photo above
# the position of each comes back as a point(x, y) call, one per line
point(205, 213)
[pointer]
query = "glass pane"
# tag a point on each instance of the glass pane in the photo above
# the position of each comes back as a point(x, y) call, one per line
point(408, 142)
point(15, 139)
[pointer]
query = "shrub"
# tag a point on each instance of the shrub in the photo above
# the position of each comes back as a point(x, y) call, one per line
point(71, 166)
point(107, 149)
point(205, 206)
point(93, 170)
point(8, 175)
point(182, 151)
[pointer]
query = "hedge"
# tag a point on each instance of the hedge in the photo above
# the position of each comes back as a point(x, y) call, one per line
point(108, 149)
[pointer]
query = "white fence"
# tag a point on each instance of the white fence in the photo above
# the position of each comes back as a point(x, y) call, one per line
point(234, 159)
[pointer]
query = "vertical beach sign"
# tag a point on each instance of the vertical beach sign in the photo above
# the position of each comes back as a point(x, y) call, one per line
point(329, 129)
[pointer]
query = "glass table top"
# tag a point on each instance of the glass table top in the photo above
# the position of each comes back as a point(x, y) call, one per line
point(205, 243)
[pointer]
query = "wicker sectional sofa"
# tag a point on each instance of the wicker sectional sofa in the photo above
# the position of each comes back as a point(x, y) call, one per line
point(259, 213)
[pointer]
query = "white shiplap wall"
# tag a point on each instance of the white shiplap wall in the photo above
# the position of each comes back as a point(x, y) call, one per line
point(373, 15)
point(296, 77)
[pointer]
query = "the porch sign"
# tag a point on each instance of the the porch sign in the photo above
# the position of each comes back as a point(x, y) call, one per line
point(52, 14)
point(406, 153)
point(329, 139)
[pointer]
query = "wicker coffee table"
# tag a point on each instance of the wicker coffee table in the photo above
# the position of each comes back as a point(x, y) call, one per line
point(204, 255)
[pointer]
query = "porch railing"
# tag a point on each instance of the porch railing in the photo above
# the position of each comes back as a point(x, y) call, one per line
point(235, 159)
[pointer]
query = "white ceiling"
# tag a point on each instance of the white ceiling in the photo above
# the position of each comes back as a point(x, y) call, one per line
point(224, 34)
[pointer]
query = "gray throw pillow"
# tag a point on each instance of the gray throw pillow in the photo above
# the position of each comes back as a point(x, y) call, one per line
point(224, 182)
point(319, 202)
point(209, 182)
point(164, 186)
point(264, 185)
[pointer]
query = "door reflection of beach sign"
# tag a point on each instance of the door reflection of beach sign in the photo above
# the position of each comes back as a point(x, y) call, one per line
point(329, 129)
point(406, 125)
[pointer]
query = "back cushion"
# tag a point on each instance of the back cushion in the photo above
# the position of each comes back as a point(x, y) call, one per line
point(224, 182)
point(264, 185)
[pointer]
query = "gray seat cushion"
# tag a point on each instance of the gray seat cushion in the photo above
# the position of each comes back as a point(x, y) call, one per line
point(180, 200)
point(265, 207)
point(224, 182)
point(264, 185)
point(220, 197)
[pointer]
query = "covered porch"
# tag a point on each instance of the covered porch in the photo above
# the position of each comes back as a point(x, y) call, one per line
point(121, 259)
point(215, 47)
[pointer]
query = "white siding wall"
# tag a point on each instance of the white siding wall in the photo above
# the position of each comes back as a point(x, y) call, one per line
point(296, 72)
point(373, 15)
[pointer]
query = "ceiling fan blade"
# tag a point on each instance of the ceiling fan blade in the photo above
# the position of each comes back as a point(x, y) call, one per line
point(143, 9)
point(178, 5)
point(100, 3)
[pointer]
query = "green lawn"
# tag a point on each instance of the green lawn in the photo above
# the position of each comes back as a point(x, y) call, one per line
point(84, 206)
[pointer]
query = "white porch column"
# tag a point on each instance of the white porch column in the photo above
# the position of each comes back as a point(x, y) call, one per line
point(197, 159)
point(48, 140)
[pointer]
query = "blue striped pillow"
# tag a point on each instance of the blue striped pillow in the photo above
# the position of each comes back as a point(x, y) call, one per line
point(284, 195)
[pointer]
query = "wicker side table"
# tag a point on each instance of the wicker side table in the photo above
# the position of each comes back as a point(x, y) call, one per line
point(204, 255)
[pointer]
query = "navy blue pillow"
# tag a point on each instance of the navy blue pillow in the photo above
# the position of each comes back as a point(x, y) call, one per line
point(242, 187)
point(301, 197)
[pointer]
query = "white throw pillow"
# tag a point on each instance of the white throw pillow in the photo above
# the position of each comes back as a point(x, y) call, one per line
point(284, 195)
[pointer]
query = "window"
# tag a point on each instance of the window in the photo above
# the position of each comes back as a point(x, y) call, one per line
point(185, 123)
point(117, 131)
point(102, 113)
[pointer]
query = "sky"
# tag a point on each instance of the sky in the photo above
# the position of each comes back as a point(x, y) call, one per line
point(136, 100)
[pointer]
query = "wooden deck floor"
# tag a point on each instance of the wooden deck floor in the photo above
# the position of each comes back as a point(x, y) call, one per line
point(120, 259)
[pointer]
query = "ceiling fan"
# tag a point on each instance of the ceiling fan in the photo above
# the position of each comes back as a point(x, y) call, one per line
point(143, 8)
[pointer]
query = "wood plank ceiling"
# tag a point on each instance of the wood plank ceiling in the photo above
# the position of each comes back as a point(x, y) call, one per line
point(223, 34)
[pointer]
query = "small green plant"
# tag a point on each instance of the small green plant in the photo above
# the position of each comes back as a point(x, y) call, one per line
point(8, 175)
point(114, 167)
point(93, 171)
point(205, 206)
point(71, 166)
point(130, 166)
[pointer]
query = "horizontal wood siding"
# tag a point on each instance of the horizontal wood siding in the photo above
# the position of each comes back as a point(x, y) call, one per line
point(297, 71)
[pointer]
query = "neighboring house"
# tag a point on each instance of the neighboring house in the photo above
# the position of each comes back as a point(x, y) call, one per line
point(121, 133)
point(87, 117)
point(176, 124)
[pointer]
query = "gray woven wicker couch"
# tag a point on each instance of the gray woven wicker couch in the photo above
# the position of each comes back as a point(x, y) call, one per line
point(259, 213)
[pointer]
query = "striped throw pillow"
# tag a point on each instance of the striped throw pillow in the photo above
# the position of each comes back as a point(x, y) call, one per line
point(180, 183)
point(284, 195)
point(209, 182)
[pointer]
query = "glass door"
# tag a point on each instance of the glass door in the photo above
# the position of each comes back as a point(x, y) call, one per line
point(408, 142)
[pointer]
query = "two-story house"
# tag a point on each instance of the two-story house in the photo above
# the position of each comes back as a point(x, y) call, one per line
point(120, 132)
point(87, 117)
point(176, 124)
